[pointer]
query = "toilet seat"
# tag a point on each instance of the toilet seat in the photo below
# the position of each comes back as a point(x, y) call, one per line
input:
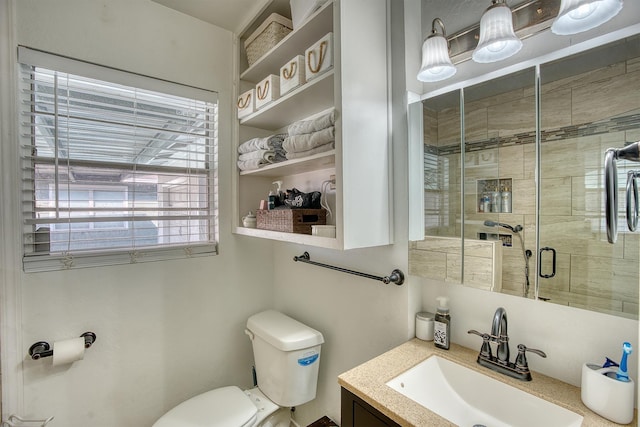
point(222, 407)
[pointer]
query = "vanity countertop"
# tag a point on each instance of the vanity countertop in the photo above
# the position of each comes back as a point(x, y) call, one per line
point(368, 380)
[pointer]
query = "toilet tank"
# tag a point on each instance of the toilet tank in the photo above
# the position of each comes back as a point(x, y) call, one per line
point(287, 356)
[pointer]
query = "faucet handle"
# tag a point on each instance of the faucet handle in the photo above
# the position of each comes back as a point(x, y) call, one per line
point(521, 359)
point(485, 350)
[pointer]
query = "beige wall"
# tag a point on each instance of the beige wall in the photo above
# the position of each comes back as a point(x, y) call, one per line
point(167, 330)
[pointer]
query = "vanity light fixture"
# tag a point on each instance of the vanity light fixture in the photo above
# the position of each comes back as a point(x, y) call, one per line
point(436, 63)
point(576, 16)
point(498, 41)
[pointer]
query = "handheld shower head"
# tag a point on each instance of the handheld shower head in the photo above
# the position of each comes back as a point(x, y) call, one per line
point(516, 229)
point(525, 253)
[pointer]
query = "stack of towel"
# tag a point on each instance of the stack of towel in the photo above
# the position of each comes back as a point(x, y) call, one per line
point(258, 152)
point(306, 138)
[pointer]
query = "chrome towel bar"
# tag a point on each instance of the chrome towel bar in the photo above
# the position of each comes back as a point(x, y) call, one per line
point(611, 194)
point(629, 152)
point(632, 200)
point(396, 275)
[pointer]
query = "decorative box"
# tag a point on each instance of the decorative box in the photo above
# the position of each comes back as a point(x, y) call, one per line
point(267, 90)
point(292, 74)
point(291, 220)
point(246, 103)
point(319, 57)
point(269, 33)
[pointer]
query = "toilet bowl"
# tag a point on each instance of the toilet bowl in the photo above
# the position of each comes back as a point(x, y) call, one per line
point(287, 355)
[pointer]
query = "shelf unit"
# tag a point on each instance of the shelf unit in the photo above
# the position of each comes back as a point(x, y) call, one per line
point(360, 160)
point(316, 26)
point(300, 103)
point(318, 161)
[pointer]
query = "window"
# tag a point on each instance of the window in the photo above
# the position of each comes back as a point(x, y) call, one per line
point(112, 171)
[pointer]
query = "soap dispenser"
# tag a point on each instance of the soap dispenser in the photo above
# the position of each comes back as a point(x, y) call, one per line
point(442, 324)
point(271, 200)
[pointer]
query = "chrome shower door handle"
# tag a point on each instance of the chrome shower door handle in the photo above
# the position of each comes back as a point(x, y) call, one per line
point(553, 272)
point(632, 200)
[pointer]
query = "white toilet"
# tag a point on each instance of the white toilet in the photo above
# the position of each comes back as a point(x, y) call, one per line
point(287, 355)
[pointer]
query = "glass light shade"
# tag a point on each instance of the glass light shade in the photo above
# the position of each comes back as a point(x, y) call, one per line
point(576, 16)
point(498, 41)
point(436, 64)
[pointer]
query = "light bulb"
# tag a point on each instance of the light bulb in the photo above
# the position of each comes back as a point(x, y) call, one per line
point(576, 16)
point(436, 64)
point(498, 41)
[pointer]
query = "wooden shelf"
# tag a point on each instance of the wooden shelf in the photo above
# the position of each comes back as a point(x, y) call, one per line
point(296, 166)
point(302, 239)
point(295, 43)
point(312, 97)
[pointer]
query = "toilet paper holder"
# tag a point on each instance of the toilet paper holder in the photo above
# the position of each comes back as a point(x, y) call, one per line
point(43, 349)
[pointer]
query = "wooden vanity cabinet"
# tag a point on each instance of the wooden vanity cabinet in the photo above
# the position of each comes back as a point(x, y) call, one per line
point(358, 413)
point(358, 87)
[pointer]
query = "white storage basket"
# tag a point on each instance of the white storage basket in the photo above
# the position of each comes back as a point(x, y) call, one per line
point(268, 34)
point(268, 90)
point(292, 74)
point(319, 57)
point(246, 103)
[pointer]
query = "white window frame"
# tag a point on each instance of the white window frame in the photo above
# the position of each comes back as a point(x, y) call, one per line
point(87, 258)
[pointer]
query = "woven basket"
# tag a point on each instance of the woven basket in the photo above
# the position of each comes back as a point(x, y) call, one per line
point(291, 220)
point(268, 34)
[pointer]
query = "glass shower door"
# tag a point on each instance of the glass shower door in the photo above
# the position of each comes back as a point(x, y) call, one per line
point(499, 184)
point(589, 103)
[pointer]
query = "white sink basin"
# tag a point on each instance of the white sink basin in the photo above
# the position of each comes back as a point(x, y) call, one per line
point(468, 398)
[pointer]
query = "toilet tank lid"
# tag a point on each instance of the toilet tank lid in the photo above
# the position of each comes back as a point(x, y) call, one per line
point(283, 332)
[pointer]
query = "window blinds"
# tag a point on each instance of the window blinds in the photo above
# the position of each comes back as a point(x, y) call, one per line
point(113, 173)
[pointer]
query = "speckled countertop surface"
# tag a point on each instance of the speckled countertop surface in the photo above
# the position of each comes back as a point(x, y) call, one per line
point(368, 381)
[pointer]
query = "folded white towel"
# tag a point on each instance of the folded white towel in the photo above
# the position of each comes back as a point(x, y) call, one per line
point(266, 155)
point(310, 126)
point(306, 142)
point(245, 165)
point(266, 143)
point(319, 149)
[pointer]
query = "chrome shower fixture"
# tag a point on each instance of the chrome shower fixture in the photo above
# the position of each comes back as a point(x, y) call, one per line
point(526, 253)
point(516, 229)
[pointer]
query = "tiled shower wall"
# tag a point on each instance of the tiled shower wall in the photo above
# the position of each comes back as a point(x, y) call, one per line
point(582, 116)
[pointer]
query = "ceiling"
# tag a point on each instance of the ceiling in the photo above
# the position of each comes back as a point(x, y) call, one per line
point(232, 15)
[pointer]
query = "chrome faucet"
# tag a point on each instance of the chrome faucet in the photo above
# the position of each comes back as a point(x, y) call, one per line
point(499, 335)
point(500, 363)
